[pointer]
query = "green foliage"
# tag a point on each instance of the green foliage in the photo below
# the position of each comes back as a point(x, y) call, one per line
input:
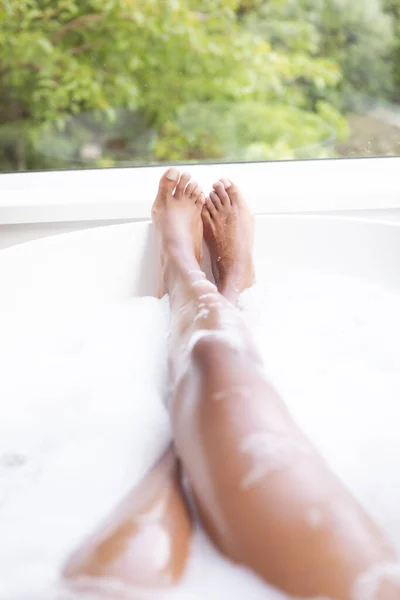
point(211, 79)
point(254, 131)
point(355, 34)
point(393, 9)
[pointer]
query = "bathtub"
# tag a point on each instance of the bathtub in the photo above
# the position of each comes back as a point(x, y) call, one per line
point(86, 269)
point(116, 262)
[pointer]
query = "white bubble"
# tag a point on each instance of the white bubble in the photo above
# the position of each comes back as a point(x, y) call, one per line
point(314, 517)
point(234, 393)
point(369, 585)
point(269, 452)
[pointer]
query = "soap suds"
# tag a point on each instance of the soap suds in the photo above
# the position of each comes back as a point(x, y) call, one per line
point(233, 393)
point(231, 338)
point(208, 295)
point(314, 517)
point(202, 314)
point(11, 461)
point(150, 549)
point(372, 583)
point(154, 513)
point(204, 282)
point(83, 419)
point(269, 452)
point(196, 272)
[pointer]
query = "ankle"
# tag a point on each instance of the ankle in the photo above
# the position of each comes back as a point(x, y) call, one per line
point(178, 262)
point(234, 281)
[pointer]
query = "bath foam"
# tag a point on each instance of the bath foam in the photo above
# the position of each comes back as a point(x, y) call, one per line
point(372, 582)
point(196, 272)
point(146, 552)
point(202, 314)
point(209, 295)
point(204, 282)
point(83, 419)
point(233, 339)
point(314, 517)
point(233, 393)
point(269, 452)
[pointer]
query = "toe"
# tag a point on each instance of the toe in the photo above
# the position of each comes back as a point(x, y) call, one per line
point(211, 207)
point(215, 200)
point(200, 197)
point(180, 188)
point(206, 216)
point(196, 194)
point(190, 189)
point(219, 189)
point(231, 190)
point(169, 180)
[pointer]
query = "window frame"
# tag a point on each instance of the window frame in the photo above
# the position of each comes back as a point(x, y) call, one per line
point(104, 195)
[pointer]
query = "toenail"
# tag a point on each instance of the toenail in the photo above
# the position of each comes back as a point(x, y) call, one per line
point(172, 174)
point(226, 183)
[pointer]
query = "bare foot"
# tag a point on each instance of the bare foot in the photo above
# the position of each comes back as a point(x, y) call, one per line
point(176, 215)
point(229, 233)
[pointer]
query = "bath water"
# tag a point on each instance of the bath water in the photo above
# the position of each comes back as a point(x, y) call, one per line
point(82, 417)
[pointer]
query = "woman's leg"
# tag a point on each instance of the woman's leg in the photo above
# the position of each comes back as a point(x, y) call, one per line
point(265, 495)
point(145, 542)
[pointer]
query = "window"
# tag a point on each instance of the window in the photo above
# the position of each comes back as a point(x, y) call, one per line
point(101, 83)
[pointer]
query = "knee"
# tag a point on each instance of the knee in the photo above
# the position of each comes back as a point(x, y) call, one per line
point(226, 347)
point(209, 350)
point(213, 352)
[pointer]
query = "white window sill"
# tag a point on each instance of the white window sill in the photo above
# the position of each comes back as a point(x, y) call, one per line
point(275, 187)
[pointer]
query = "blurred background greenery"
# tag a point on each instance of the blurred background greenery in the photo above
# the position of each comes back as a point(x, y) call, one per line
point(101, 83)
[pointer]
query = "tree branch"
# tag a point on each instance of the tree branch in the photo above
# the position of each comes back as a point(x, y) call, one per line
point(80, 49)
point(75, 23)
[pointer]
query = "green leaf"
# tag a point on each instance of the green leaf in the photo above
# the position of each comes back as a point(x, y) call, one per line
point(45, 45)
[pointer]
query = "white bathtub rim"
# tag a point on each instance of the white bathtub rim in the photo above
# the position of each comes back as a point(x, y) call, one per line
point(284, 217)
point(311, 186)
